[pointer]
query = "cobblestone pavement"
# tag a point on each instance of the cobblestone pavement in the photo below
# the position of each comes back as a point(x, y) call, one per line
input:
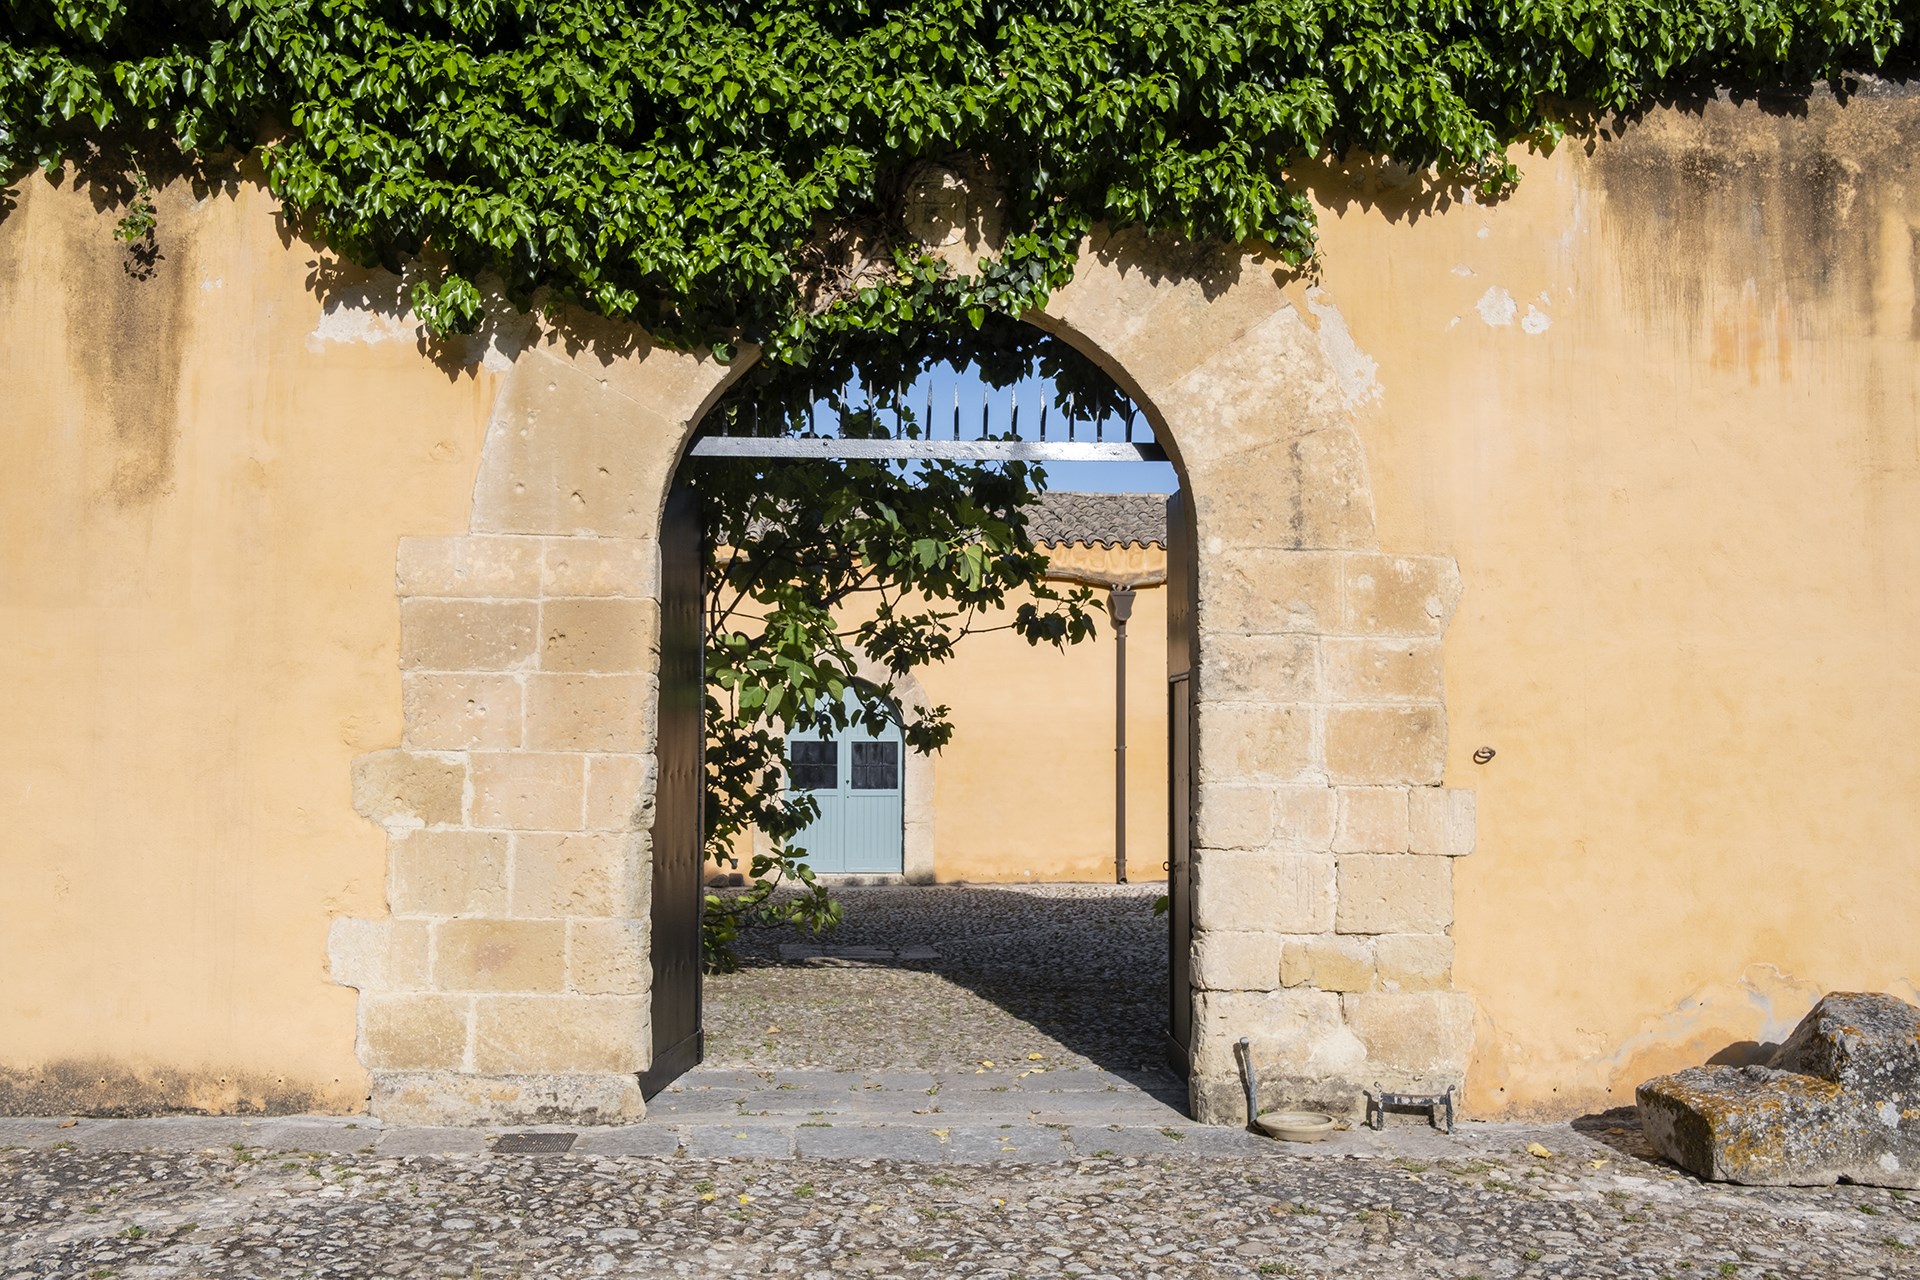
point(1075, 973)
point(995, 1110)
point(326, 1198)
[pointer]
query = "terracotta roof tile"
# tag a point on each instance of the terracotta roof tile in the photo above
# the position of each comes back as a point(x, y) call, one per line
point(1108, 519)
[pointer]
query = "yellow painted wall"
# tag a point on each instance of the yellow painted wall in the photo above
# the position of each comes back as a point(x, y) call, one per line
point(1025, 791)
point(1663, 406)
point(199, 505)
point(1680, 470)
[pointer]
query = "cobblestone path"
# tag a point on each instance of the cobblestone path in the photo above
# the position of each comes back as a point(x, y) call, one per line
point(192, 1198)
point(965, 1082)
point(937, 978)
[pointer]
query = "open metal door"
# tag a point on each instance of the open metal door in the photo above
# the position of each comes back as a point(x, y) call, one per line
point(680, 751)
point(1182, 571)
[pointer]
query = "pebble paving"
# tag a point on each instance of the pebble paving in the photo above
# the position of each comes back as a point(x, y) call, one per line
point(992, 1131)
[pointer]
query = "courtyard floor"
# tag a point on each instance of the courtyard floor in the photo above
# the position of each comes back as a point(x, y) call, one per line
point(963, 1082)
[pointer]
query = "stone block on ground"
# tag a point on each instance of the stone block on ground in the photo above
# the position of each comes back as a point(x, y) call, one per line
point(1839, 1101)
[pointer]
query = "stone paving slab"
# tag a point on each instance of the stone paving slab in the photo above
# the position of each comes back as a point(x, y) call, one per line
point(628, 1140)
point(163, 1133)
point(432, 1142)
point(869, 1142)
point(732, 1142)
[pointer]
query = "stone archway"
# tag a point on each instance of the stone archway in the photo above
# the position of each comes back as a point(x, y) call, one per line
point(510, 981)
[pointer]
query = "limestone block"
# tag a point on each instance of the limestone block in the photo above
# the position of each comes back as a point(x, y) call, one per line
point(573, 875)
point(470, 565)
point(1328, 962)
point(567, 453)
point(608, 957)
point(380, 955)
point(1267, 668)
point(599, 633)
point(1239, 742)
point(589, 566)
point(413, 1032)
point(1414, 961)
point(1442, 821)
point(1235, 960)
point(1336, 502)
point(1839, 1100)
point(409, 956)
point(409, 788)
point(1303, 1052)
point(447, 873)
point(619, 792)
point(1303, 818)
point(1395, 893)
point(500, 955)
point(1255, 591)
point(459, 1098)
point(1226, 361)
point(590, 713)
point(460, 712)
point(1272, 892)
point(1400, 595)
point(1228, 817)
point(467, 635)
point(631, 365)
point(1372, 820)
point(1382, 745)
point(1415, 1041)
point(515, 1034)
point(1361, 669)
point(529, 792)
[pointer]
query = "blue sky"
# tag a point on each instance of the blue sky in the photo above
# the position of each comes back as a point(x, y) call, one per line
point(943, 388)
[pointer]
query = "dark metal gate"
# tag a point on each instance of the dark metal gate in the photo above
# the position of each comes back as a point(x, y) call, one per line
point(1181, 600)
point(678, 802)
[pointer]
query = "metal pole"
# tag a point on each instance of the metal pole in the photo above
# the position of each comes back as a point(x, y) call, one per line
point(1120, 608)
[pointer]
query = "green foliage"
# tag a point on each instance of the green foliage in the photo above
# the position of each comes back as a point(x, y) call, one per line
point(828, 582)
point(726, 170)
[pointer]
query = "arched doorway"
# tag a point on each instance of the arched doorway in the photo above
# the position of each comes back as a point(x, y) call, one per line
point(1321, 886)
point(923, 415)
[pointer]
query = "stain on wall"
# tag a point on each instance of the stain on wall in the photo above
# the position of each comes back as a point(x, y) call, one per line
point(127, 331)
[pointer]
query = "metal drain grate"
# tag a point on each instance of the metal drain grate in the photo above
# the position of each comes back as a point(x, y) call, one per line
point(538, 1144)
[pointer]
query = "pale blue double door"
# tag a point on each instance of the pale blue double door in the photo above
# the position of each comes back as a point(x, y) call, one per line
point(856, 777)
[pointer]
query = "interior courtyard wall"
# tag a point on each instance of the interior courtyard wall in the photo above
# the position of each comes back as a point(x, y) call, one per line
point(1663, 407)
point(1027, 784)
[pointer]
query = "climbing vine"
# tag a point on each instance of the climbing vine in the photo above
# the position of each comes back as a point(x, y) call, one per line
point(722, 171)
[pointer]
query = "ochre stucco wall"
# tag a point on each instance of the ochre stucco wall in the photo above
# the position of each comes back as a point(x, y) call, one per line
point(1660, 407)
point(1663, 406)
point(199, 504)
point(1024, 792)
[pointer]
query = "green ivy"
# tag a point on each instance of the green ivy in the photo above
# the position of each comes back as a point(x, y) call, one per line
point(720, 170)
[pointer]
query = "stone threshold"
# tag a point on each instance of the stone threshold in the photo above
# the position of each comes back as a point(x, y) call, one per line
point(929, 1139)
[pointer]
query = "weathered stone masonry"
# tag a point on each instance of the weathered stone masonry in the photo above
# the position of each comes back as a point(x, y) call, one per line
point(509, 982)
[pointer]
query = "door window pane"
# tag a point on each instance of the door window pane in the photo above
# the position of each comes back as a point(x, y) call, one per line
point(816, 764)
point(876, 766)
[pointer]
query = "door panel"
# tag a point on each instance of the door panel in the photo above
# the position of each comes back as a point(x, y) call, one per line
point(861, 828)
point(680, 749)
